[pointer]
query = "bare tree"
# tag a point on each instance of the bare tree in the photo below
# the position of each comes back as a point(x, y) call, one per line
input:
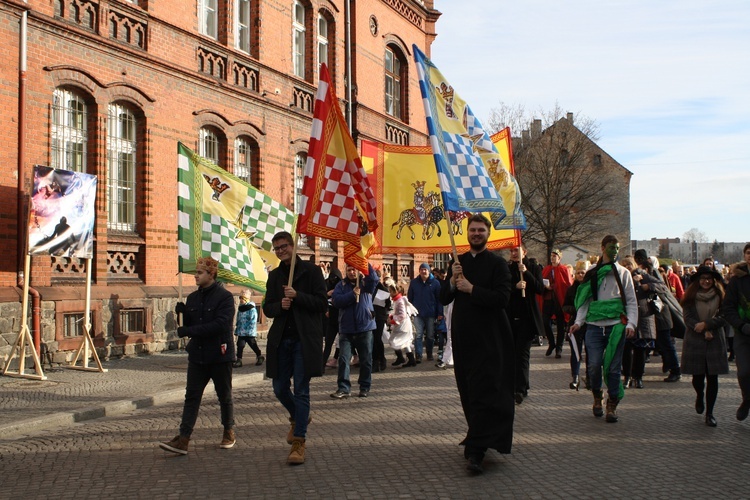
point(566, 193)
point(695, 235)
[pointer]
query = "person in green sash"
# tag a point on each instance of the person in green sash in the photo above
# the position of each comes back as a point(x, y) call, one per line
point(606, 303)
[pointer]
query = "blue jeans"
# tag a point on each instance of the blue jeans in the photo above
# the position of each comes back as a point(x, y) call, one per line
point(424, 326)
point(363, 343)
point(292, 366)
point(596, 339)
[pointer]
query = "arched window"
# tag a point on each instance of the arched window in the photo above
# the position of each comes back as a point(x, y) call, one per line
point(209, 146)
point(122, 147)
point(245, 154)
point(322, 40)
point(395, 83)
point(299, 38)
point(69, 131)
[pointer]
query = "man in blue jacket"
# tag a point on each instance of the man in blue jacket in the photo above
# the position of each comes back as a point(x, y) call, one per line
point(353, 298)
point(207, 320)
point(424, 294)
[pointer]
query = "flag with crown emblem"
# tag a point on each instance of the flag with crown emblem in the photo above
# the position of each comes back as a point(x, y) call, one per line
point(471, 173)
point(222, 216)
point(337, 201)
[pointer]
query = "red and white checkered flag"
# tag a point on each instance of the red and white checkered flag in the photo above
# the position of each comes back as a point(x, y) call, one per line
point(337, 200)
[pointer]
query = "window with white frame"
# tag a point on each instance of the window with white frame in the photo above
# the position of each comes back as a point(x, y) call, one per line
point(208, 145)
point(298, 39)
point(322, 40)
point(243, 159)
point(392, 83)
point(208, 18)
point(69, 131)
point(299, 178)
point(242, 25)
point(121, 168)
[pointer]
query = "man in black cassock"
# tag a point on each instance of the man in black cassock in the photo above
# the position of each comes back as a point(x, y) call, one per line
point(480, 285)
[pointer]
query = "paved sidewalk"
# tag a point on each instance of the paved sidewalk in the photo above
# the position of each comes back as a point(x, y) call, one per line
point(69, 396)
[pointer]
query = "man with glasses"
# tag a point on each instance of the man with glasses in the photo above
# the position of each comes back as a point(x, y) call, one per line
point(606, 303)
point(295, 339)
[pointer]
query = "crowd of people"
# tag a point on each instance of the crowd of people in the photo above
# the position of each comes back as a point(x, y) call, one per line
point(483, 313)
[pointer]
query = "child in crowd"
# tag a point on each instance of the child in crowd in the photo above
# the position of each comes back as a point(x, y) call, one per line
point(247, 319)
point(402, 330)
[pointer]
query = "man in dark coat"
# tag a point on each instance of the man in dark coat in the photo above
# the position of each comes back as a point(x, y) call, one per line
point(295, 339)
point(524, 314)
point(479, 285)
point(736, 309)
point(207, 320)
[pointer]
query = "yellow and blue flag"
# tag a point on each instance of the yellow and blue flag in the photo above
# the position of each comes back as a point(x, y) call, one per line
point(470, 170)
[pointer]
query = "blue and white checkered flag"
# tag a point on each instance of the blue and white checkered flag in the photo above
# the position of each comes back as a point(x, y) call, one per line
point(464, 154)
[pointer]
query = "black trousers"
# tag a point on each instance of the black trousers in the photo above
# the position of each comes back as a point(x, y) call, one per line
point(522, 337)
point(378, 349)
point(553, 308)
point(251, 341)
point(198, 376)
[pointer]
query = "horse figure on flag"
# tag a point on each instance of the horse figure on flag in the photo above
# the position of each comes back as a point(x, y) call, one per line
point(428, 214)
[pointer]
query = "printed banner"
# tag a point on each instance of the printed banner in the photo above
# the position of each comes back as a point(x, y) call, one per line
point(63, 212)
point(411, 216)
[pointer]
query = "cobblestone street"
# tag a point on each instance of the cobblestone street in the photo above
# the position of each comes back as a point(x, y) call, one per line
point(401, 442)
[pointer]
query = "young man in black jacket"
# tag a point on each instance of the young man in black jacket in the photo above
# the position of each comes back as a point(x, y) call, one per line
point(207, 320)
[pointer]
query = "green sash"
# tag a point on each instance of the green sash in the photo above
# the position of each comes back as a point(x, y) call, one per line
point(601, 310)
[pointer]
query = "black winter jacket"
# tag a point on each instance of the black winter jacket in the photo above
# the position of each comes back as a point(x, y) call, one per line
point(209, 313)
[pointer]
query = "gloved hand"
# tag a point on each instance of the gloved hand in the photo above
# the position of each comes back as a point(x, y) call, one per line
point(180, 308)
point(746, 328)
point(181, 331)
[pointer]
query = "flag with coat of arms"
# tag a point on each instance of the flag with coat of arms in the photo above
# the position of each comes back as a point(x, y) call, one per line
point(337, 201)
point(224, 217)
point(471, 173)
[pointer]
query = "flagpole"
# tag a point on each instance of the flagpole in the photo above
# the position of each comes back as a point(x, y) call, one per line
point(520, 253)
point(294, 260)
point(450, 233)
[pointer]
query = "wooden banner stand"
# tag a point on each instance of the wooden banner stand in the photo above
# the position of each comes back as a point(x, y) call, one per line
point(87, 342)
point(24, 337)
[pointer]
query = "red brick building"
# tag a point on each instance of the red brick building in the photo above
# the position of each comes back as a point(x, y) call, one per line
point(110, 86)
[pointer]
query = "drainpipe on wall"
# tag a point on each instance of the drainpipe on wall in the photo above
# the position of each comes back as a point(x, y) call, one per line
point(23, 195)
point(348, 51)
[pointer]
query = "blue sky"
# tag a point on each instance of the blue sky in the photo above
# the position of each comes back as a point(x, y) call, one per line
point(668, 83)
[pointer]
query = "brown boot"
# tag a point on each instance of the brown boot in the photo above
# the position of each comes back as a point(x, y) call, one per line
point(177, 445)
point(297, 455)
point(612, 409)
point(597, 409)
point(290, 434)
point(228, 439)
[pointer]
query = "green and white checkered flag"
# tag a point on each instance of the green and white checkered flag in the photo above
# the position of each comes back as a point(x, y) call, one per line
point(223, 217)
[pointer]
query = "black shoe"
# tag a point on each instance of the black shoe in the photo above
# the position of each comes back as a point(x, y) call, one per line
point(558, 353)
point(237, 364)
point(363, 393)
point(574, 383)
point(474, 464)
point(519, 398)
point(383, 365)
point(418, 360)
point(731, 357)
point(673, 377)
point(639, 383)
point(398, 362)
point(710, 420)
point(339, 394)
point(409, 363)
point(375, 367)
point(549, 350)
point(699, 406)
point(628, 382)
point(743, 410)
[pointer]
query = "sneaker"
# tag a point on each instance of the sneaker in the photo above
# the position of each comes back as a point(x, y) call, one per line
point(177, 445)
point(297, 454)
point(228, 440)
point(237, 364)
point(260, 361)
point(339, 394)
point(363, 393)
point(441, 365)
